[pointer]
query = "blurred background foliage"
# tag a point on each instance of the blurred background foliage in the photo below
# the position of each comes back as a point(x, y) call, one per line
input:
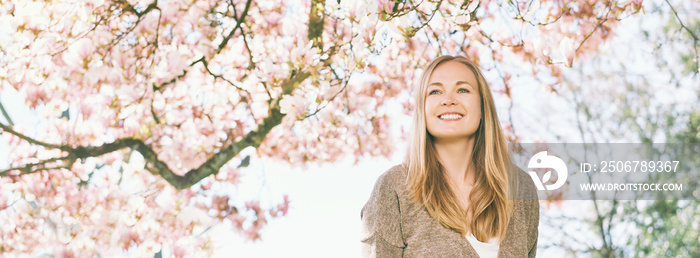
point(658, 68)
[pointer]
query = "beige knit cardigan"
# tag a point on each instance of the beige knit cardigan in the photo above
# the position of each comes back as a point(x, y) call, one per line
point(394, 226)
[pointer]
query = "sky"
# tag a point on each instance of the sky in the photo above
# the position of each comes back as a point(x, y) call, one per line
point(324, 220)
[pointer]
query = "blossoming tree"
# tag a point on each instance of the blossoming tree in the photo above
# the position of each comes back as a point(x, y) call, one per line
point(146, 104)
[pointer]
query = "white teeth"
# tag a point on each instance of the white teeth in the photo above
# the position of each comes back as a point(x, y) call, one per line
point(450, 117)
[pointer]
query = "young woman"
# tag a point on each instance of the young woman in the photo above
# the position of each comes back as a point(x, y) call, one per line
point(457, 193)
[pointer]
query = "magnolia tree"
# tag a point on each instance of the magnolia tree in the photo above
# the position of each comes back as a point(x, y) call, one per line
point(145, 105)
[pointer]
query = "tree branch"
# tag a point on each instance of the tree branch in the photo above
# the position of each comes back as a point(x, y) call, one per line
point(219, 49)
point(691, 33)
point(239, 22)
point(316, 17)
point(30, 140)
point(30, 168)
point(173, 80)
point(206, 67)
point(156, 166)
point(153, 164)
point(213, 164)
point(7, 116)
point(605, 19)
point(140, 16)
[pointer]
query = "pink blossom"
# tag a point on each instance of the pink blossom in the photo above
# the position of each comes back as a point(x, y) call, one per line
point(118, 86)
point(35, 96)
point(281, 208)
point(540, 50)
point(178, 251)
point(293, 106)
point(78, 52)
point(351, 7)
point(637, 4)
point(568, 49)
point(386, 5)
point(253, 205)
point(131, 126)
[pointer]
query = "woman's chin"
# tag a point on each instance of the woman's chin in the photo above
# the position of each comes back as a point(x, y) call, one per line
point(452, 136)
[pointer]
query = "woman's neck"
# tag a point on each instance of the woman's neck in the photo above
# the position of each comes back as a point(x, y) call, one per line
point(456, 157)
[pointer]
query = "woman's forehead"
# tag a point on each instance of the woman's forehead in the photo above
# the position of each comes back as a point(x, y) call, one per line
point(452, 72)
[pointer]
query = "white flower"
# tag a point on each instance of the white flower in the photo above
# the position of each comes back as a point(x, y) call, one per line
point(567, 48)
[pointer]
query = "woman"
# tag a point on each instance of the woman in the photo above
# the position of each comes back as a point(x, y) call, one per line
point(456, 194)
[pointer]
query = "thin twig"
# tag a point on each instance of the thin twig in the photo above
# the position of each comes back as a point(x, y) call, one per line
point(691, 33)
point(239, 22)
point(29, 139)
point(7, 116)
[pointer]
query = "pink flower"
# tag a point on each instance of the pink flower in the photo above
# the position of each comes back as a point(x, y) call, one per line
point(131, 126)
point(567, 48)
point(540, 51)
point(637, 4)
point(282, 208)
point(253, 205)
point(293, 106)
point(35, 96)
point(3, 201)
point(78, 52)
point(386, 5)
point(178, 251)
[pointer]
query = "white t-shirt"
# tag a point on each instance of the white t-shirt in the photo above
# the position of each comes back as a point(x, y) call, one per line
point(484, 250)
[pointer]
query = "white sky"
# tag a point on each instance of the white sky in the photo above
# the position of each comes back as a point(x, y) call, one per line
point(324, 218)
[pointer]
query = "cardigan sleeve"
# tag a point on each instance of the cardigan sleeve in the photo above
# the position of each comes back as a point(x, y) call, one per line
point(381, 222)
point(534, 222)
point(533, 230)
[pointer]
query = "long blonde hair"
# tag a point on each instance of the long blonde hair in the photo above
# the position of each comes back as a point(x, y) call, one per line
point(494, 181)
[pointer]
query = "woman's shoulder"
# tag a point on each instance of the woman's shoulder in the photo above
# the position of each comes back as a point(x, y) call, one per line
point(381, 216)
point(392, 177)
point(396, 173)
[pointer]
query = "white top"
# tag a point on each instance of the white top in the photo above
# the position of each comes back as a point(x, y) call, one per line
point(484, 250)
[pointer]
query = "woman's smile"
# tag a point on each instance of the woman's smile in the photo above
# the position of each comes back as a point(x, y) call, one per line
point(450, 116)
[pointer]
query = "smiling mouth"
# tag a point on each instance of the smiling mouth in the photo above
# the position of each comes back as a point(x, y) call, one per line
point(450, 116)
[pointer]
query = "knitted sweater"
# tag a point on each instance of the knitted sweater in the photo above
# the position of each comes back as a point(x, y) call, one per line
point(394, 226)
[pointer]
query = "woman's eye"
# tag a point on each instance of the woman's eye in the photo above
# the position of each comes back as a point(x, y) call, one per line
point(463, 91)
point(433, 92)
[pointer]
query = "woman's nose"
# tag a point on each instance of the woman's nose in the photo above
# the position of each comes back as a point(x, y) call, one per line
point(448, 101)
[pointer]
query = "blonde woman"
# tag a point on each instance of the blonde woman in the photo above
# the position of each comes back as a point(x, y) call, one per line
point(457, 193)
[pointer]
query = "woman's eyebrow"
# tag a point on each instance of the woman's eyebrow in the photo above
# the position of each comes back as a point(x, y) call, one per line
point(458, 83)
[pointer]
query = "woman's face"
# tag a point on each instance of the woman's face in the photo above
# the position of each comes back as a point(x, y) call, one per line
point(453, 102)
